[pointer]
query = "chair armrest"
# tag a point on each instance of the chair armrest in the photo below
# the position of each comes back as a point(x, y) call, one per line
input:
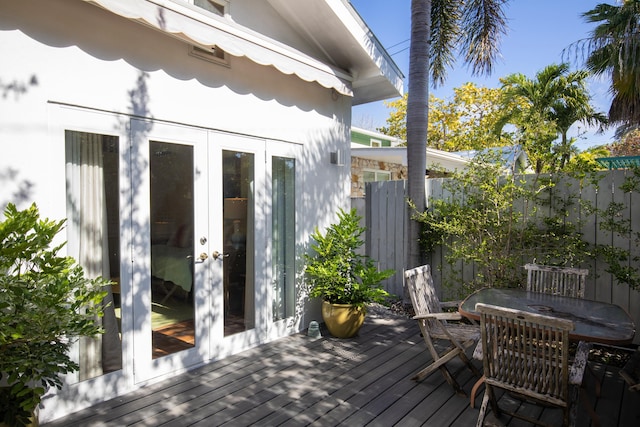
point(478, 351)
point(576, 371)
point(439, 316)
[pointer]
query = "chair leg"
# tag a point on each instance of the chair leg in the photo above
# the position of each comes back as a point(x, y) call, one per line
point(452, 382)
point(169, 292)
point(595, 419)
point(597, 380)
point(439, 363)
point(470, 365)
point(483, 407)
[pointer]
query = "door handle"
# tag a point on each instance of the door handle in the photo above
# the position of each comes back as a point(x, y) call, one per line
point(217, 255)
point(202, 258)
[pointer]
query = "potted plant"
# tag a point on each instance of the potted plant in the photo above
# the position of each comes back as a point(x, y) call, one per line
point(45, 304)
point(344, 279)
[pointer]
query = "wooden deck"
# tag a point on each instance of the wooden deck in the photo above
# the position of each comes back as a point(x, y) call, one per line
point(299, 381)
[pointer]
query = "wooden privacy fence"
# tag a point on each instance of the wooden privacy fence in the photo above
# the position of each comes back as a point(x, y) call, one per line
point(385, 216)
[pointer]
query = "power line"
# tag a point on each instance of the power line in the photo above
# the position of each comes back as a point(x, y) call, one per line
point(397, 44)
point(401, 50)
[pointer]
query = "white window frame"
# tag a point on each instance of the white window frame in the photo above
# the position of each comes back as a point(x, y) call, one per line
point(377, 172)
point(204, 54)
point(375, 142)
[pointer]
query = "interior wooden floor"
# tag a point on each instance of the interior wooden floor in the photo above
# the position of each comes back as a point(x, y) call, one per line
point(173, 338)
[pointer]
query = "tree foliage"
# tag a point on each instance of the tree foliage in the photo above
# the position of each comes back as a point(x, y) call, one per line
point(614, 51)
point(466, 122)
point(492, 221)
point(629, 145)
point(545, 107)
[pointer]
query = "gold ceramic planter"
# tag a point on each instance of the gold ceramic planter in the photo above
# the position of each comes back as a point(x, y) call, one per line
point(342, 320)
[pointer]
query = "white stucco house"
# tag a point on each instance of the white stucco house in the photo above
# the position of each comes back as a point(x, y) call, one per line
point(189, 144)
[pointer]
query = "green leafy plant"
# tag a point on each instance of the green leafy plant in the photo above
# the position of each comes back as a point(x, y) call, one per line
point(621, 263)
point(337, 273)
point(45, 304)
point(494, 222)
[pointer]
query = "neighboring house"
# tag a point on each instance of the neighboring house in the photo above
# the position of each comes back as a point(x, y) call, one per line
point(379, 157)
point(513, 157)
point(188, 143)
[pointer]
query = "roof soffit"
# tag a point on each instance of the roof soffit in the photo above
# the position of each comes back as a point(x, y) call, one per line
point(336, 29)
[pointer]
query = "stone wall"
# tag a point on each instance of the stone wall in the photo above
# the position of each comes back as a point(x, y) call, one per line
point(358, 165)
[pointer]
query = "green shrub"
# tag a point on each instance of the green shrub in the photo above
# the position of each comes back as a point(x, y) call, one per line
point(337, 273)
point(45, 304)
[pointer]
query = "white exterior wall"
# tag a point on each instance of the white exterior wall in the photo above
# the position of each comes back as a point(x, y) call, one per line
point(83, 56)
point(79, 55)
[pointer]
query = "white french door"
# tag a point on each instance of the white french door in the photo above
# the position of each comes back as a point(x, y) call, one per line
point(236, 221)
point(171, 281)
point(197, 220)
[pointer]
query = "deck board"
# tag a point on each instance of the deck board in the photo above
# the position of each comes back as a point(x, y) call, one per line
point(365, 381)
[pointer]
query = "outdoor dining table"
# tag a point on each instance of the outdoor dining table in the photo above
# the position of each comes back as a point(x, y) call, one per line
point(595, 321)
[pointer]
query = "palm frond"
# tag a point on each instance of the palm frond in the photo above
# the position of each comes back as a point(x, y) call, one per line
point(445, 30)
point(483, 24)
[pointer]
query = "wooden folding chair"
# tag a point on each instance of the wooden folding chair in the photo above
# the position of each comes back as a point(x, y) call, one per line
point(528, 354)
point(565, 281)
point(434, 325)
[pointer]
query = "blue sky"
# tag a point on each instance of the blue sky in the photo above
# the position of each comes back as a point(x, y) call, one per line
point(538, 32)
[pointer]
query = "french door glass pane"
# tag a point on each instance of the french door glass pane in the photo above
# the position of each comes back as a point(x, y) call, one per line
point(283, 236)
point(172, 213)
point(238, 235)
point(94, 238)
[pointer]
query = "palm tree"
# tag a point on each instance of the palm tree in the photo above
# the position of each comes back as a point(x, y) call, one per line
point(559, 98)
point(565, 115)
point(438, 27)
point(614, 49)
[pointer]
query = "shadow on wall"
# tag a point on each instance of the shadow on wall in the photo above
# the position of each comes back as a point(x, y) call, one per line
point(15, 190)
point(16, 87)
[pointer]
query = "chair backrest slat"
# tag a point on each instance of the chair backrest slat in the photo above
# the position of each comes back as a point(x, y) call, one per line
point(526, 352)
point(423, 293)
point(420, 286)
point(566, 281)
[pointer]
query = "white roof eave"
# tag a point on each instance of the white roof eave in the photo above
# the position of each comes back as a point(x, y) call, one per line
point(399, 155)
point(335, 28)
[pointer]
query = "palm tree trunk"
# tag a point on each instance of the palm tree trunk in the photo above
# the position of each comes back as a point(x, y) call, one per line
point(417, 119)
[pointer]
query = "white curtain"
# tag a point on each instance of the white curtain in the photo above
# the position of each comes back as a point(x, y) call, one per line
point(90, 245)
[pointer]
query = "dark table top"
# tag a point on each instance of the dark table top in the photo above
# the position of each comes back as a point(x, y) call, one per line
point(594, 321)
